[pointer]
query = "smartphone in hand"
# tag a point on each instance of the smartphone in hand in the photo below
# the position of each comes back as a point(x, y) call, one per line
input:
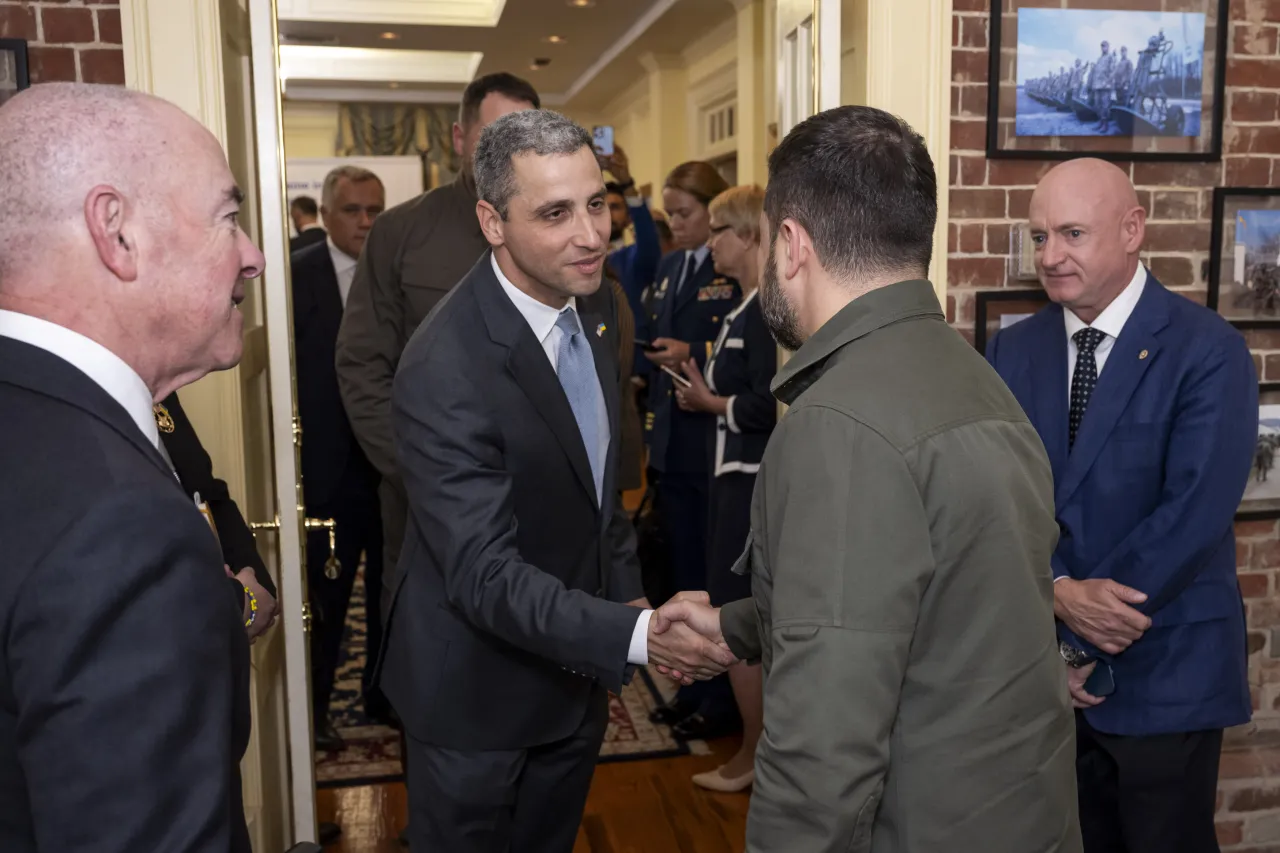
point(679, 379)
point(603, 136)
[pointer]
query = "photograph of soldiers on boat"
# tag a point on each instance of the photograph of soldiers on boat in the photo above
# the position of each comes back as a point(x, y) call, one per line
point(1088, 72)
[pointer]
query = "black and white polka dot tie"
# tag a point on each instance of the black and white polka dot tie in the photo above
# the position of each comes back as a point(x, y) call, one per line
point(1084, 378)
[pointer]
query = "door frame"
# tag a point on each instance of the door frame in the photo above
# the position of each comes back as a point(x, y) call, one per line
point(285, 430)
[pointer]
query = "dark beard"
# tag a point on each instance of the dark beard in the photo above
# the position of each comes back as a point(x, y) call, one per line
point(615, 233)
point(779, 316)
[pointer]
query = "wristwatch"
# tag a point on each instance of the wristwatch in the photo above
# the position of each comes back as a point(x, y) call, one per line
point(1074, 657)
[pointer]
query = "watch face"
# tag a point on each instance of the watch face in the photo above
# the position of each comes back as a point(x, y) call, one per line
point(1069, 654)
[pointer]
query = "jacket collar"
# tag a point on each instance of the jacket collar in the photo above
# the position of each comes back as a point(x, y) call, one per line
point(864, 315)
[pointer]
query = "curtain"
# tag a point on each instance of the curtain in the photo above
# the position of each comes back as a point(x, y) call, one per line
point(382, 130)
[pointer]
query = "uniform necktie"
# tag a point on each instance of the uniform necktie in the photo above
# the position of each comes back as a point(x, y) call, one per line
point(690, 265)
point(1084, 378)
point(576, 369)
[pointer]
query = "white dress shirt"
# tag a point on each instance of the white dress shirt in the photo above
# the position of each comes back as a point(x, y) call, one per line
point(1110, 322)
point(542, 321)
point(345, 267)
point(91, 358)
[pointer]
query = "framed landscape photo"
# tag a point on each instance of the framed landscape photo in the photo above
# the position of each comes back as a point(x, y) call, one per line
point(1244, 256)
point(994, 310)
point(13, 68)
point(1132, 81)
point(1262, 494)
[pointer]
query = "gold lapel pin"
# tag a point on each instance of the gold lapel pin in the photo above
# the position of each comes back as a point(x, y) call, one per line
point(1142, 355)
point(164, 420)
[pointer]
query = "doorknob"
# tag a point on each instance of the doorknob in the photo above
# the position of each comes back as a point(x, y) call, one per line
point(332, 566)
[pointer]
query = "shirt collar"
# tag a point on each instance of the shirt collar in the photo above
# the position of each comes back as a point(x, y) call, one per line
point(342, 262)
point(1112, 319)
point(864, 315)
point(541, 318)
point(92, 359)
point(699, 253)
point(312, 226)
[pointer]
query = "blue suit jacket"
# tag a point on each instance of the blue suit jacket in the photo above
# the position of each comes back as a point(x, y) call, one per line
point(1147, 497)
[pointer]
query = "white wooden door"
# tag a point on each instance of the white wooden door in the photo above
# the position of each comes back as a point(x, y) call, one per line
point(807, 48)
point(286, 746)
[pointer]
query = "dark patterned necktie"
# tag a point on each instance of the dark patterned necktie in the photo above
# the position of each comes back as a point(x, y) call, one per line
point(1084, 378)
point(690, 267)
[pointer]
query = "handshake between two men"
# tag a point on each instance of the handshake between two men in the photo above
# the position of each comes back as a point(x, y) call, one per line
point(685, 640)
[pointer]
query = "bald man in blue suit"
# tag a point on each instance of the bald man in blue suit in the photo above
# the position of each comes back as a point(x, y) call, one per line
point(1148, 407)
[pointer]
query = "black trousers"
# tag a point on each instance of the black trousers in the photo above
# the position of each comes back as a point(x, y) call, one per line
point(1154, 794)
point(685, 501)
point(358, 530)
point(504, 801)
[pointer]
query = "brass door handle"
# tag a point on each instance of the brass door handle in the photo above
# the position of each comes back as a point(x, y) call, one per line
point(332, 566)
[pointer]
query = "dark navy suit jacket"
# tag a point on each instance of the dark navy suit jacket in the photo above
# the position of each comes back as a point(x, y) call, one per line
point(677, 439)
point(1147, 497)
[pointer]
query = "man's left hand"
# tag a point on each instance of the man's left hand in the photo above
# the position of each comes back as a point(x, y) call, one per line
point(266, 603)
point(670, 352)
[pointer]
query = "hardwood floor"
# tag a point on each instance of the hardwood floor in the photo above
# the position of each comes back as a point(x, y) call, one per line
point(634, 807)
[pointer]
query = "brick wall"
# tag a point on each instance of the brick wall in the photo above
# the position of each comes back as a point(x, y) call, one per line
point(987, 197)
point(67, 39)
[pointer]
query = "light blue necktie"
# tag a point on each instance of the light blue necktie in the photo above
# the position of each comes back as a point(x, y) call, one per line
point(576, 368)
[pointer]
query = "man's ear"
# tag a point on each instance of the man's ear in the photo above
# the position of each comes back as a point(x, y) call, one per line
point(459, 135)
point(1134, 229)
point(490, 223)
point(112, 232)
point(794, 245)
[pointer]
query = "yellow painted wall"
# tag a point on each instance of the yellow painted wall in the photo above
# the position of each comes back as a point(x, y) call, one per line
point(310, 128)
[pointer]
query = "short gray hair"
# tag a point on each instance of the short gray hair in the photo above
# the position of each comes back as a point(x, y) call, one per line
point(354, 174)
point(541, 131)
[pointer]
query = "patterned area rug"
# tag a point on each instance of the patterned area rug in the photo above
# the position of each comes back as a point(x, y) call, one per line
point(373, 751)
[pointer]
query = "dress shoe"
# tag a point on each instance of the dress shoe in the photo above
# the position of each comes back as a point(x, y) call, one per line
point(713, 781)
point(327, 737)
point(698, 727)
point(672, 712)
point(329, 833)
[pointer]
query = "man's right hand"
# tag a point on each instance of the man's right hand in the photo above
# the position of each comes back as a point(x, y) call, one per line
point(1100, 612)
point(685, 640)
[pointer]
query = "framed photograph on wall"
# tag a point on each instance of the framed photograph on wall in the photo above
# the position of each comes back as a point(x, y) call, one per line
point(994, 310)
point(13, 68)
point(1127, 82)
point(1244, 256)
point(1262, 494)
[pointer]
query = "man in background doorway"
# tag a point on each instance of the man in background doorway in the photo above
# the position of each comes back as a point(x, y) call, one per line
point(415, 254)
point(305, 216)
point(337, 478)
point(636, 264)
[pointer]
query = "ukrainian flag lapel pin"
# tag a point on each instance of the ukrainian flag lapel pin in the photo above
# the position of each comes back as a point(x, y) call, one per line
point(600, 330)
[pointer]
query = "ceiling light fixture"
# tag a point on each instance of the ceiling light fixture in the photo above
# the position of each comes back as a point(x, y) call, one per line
point(394, 85)
point(389, 36)
point(581, 4)
point(555, 39)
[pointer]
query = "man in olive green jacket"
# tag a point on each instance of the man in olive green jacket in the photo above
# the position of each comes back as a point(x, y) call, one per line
point(902, 600)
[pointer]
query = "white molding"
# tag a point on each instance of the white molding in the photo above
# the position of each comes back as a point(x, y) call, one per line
point(908, 73)
point(655, 62)
point(435, 13)
point(300, 91)
point(366, 65)
point(639, 28)
point(724, 34)
point(708, 94)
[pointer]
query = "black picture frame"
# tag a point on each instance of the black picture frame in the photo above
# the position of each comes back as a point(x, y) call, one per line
point(1213, 298)
point(1266, 509)
point(18, 49)
point(1212, 154)
point(986, 303)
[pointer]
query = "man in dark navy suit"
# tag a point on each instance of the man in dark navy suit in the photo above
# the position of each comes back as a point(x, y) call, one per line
point(124, 669)
point(1147, 404)
point(338, 480)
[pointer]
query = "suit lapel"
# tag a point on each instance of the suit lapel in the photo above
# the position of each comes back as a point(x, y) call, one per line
point(1130, 357)
point(1049, 395)
point(329, 299)
point(528, 365)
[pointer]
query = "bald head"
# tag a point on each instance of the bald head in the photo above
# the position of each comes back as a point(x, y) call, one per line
point(119, 223)
point(1087, 227)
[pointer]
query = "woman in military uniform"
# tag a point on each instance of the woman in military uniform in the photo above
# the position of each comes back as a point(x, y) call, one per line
point(689, 302)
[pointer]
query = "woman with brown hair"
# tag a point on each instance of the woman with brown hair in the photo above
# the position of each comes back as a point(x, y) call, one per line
point(689, 302)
